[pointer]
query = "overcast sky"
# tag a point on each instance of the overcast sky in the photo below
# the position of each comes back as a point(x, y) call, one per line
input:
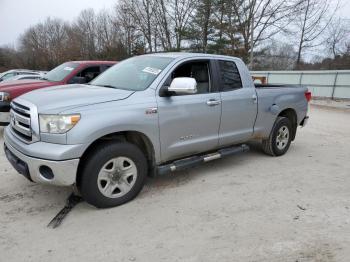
point(16, 16)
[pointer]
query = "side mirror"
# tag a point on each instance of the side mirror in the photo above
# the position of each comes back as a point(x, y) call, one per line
point(77, 80)
point(183, 86)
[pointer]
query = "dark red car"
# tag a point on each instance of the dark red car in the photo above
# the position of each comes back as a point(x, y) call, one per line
point(74, 72)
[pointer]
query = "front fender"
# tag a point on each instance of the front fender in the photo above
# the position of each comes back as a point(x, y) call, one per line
point(113, 117)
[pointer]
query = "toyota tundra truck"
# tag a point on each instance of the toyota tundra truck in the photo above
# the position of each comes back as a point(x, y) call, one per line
point(146, 116)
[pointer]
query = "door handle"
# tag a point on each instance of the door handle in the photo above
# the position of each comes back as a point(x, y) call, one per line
point(255, 99)
point(213, 102)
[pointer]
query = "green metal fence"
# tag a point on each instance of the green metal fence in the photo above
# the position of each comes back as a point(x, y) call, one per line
point(330, 84)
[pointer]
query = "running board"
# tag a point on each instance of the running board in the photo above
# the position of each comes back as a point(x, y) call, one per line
point(196, 160)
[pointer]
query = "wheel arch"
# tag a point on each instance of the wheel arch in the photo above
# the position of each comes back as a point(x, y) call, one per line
point(134, 137)
point(291, 114)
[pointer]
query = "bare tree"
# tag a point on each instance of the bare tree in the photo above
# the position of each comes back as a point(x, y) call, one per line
point(56, 33)
point(109, 37)
point(337, 35)
point(206, 9)
point(164, 24)
point(201, 25)
point(125, 21)
point(10, 58)
point(243, 28)
point(314, 16)
point(266, 18)
point(142, 13)
point(181, 12)
point(45, 43)
point(144, 16)
point(173, 18)
point(276, 56)
point(85, 28)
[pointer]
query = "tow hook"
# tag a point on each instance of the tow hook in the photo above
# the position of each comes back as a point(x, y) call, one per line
point(71, 202)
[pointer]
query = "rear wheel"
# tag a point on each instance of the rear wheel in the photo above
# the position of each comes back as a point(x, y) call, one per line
point(113, 174)
point(280, 138)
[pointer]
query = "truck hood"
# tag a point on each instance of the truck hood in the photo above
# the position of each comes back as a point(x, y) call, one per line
point(54, 100)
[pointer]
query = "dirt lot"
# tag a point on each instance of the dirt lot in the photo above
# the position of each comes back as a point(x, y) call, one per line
point(249, 207)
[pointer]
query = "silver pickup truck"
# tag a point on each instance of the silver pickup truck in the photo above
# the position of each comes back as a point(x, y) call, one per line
point(147, 115)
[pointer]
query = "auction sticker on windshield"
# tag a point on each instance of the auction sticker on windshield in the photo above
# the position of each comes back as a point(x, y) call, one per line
point(67, 68)
point(151, 70)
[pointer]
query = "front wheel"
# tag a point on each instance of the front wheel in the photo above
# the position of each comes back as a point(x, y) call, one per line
point(113, 174)
point(280, 138)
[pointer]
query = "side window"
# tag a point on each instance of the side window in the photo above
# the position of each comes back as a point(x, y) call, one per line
point(197, 70)
point(89, 73)
point(230, 76)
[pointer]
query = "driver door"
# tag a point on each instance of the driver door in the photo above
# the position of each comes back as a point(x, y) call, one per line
point(189, 124)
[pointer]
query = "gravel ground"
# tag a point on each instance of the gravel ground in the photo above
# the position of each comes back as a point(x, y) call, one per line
point(249, 207)
point(343, 104)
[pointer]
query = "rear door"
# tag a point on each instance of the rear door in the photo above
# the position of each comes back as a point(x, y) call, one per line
point(189, 124)
point(239, 105)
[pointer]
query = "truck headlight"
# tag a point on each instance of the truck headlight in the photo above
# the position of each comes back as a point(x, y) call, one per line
point(57, 124)
point(4, 96)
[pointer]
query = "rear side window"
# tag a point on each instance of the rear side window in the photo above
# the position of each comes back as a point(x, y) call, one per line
point(230, 77)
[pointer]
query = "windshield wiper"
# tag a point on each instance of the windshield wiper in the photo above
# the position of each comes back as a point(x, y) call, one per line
point(109, 86)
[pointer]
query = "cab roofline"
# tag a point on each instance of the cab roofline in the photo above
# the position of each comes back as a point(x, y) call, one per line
point(181, 55)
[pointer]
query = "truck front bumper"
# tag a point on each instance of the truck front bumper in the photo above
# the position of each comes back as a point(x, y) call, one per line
point(53, 172)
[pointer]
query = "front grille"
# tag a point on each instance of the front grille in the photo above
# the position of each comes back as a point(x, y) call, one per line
point(20, 121)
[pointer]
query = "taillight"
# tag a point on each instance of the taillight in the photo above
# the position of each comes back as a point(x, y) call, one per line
point(308, 96)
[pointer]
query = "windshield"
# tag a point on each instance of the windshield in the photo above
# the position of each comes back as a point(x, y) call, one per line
point(133, 74)
point(6, 76)
point(61, 72)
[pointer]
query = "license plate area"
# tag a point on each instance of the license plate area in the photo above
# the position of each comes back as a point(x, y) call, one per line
point(20, 166)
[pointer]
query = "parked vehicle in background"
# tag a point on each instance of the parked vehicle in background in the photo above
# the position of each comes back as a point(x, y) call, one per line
point(259, 80)
point(18, 72)
point(67, 73)
point(148, 115)
point(23, 77)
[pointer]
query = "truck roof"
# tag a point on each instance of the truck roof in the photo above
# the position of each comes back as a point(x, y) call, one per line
point(187, 55)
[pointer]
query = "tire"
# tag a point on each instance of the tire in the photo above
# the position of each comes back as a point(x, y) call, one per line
point(113, 174)
point(280, 138)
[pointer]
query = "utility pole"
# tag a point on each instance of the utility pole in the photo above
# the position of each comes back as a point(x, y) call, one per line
point(251, 62)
